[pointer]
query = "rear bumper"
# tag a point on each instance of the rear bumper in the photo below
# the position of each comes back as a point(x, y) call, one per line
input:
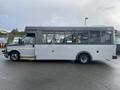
point(114, 57)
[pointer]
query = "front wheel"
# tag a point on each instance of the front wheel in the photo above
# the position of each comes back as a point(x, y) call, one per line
point(84, 58)
point(14, 56)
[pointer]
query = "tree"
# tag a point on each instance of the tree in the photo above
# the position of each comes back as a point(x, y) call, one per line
point(14, 31)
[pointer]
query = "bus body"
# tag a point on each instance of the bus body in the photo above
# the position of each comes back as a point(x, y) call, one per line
point(65, 43)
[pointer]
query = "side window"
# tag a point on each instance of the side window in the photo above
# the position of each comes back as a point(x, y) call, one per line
point(76, 37)
point(106, 37)
point(44, 38)
point(94, 37)
point(47, 38)
point(82, 37)
point(50, 38)
point(59, 38)
point(68, 37)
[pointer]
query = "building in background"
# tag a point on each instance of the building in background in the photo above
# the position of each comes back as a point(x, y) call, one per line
point(117, 39)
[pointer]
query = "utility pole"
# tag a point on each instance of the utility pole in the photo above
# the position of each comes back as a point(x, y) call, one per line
point(85, 23)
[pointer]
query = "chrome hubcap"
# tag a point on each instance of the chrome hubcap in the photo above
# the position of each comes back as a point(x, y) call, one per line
point(84, 58)
point(14, 56)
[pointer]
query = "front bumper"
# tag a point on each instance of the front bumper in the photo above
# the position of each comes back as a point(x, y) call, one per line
point(5, 53)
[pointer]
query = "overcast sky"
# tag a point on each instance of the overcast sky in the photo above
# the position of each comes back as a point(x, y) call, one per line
point(21, 13)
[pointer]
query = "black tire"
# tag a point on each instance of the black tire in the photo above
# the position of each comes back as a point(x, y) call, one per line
point(84, 58)
point(14, 56)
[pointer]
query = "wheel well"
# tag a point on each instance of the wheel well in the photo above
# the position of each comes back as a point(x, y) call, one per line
point(84, 52)
point(14, 51)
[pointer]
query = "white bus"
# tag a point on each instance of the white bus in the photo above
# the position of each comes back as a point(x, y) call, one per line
point(83, 44)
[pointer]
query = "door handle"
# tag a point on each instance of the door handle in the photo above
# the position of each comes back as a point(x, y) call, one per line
point(33, 45)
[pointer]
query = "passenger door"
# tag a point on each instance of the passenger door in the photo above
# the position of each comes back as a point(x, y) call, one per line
point(45, 50)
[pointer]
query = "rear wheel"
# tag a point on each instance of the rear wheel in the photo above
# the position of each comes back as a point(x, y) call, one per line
point(14, 56)
point(84, 58)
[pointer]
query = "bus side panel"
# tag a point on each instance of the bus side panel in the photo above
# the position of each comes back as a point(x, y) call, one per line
point(69, 52)
point(102, 52)
point(62, 52)
point(43, 52)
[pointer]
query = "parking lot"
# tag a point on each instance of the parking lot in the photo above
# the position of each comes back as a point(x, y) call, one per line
point(59, 75)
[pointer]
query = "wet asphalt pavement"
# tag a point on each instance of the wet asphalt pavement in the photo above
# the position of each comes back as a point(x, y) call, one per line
point(59, 75)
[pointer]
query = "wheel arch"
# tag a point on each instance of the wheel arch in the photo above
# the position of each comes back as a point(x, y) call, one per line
point(13, 51)
point(84, 52)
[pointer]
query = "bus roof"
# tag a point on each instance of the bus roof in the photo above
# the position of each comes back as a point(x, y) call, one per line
point(34, 28)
